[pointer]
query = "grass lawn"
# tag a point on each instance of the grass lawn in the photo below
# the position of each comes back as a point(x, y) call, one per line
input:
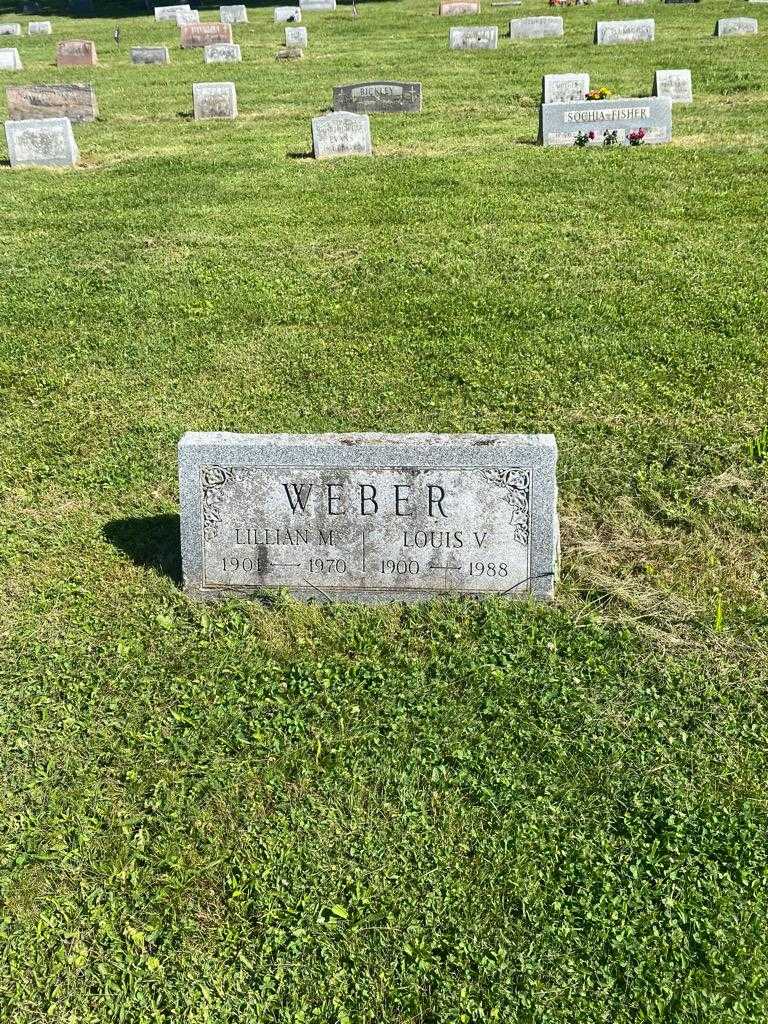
point(446, 814)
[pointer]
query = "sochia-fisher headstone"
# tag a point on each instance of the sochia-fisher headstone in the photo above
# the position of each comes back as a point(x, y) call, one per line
point(287, 14)
point(453, 7)
point(638, 30)
point(233, 14)
point(674, 83)
point(378, 98)
point(46, 143)
point(73, 53)
point(169, 13)
point(10, 28)
point(482, 37)
point(77, 102)
point(535, 28)
point(296, 36)
point(341, 134)
point(39, 28)
point(10, 59)
point(207, 32)
point(564, 88)
point(150, 55)
point(595, 122)
point(736, 27)
point(369, 517)
point(214, 100)
point(222, 53)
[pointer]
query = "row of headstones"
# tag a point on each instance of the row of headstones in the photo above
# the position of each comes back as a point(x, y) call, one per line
point(607, 33)
point(34, 28)
point(234, 14)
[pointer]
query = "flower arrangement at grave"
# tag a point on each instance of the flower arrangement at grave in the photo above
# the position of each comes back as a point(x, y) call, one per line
point(583, 139)
point(598, 94)
point(636, 136)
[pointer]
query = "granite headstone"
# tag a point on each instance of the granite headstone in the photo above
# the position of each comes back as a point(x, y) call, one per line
point(187, 18)
point(453, 7)
point(10, 28)
point(378, 98)
point(207, 32)
point(233, 14)
point(10, 59)
point(564, 88)
point(341, 134)
point(150, 55)
point(214, 100)
point(46, 143)
point(674, 83)
point(169, 13)
point(287, 14)
point(77, 102)
point(483, 37)
point(39, 28)
point(73, 53)
point(736, 27)
point(596, 121)
point(296, 36)
point(542, 27)
point(222, 53)
point(637, 30)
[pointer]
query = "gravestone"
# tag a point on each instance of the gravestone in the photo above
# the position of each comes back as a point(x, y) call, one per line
point(453, 7)
point(287, 14)
point(39, 28)
point(169, 13)
point(736, 27)
point(535, 28)
point(73, 53)
point(683, 1)
point(187, 18)
point(10, 59)
point(76, 102)
point(46, 143)
point(378, 98)
point(369, 517)
point(564, 88)
point(10, 28)
point(150, 55)
point(639, 30)
point(341, 134)
point(214, 100)
point(560, 124)
point(207, 32)
point(630, 3)
point(233, 14)
point(484, 37)
point(675, 84)
point(309, 6)
point(222, 53)
point(296, 36)
point(290, 53)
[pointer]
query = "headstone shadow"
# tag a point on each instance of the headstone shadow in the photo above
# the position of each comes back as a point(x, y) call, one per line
point(151, 542)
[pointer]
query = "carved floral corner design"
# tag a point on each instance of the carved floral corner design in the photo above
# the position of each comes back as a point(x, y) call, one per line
point(517, 487)
point(214, 479)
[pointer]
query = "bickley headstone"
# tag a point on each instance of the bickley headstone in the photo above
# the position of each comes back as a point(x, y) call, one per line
point(214, 100)
point(10, 59)
point(675, 84)
point(599, 121)
point(378, 98)
point(207, 32)
point(76, 102)
point(638, 30)
point(222, 53)
point(564, 88)
point(233, 14)
point(73, 53)
point(150, 55)
point(46, 143)
point(369, 517)
point(39, 28)
point(453, 7)
point(535, 28)
point(296, 36)
point(287, 14)
point(484, 37)
point(736, 27)
point(341, 134)
point(169, 13)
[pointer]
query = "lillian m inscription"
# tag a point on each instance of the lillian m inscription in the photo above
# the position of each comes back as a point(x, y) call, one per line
point(368, 517)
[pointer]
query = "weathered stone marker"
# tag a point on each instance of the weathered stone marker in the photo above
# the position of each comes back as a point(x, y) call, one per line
point(73, 53)
point(317, 5)
point(378, 98)
point(296, 36)
point(535, 28)
point(187, 18)
point(290, 53)
point(564, 88)
point(485, 37)
point(639, 30)
point(46, 143)
point(150, 55)
point(222, 53)
point(169, 13)
point(287, 14)
point(233, 14)
point(205, 33)
point(214, 100)
point(630, 3)
point(39, 28)
point(369, 517)
point(561, 123)
point(736, 27)
point(29, 102)
point(450, 8)
point(675, 84)
point(341, 134)
point(10, 59)
point(12, 28)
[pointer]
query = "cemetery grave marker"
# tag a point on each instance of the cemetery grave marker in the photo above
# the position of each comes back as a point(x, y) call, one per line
point(10, 59)
point(296, 36)
point(317, 5)
point(736, 27)
point(560, 124)
point(233, 14)
point(222, 53)
point(214, 100)
point(341, 134)
point(45, 143)
point(675, 84)
point(207, 32)
point(169, 13)
point(630, 3)
point(564, 88)
point(39, 28)
point(639, 30)
point(378, 98)
point(290, 53)
point(73, 53)
point(150, 55)
point(369, 517)
point(10, 29)
point(453, 7)
point(187, 18)
point(535, 28)
point(287, 14)
point(485, 37)
point(76, 102)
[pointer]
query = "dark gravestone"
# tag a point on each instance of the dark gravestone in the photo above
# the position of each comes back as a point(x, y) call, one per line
point(378, 98)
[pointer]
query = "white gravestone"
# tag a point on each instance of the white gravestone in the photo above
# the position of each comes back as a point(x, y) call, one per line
point(44, 143)
point(341, 134)
point(222, 53)
point(564, 88)
point(150, 55)
point(188, 18)
point(214, 100)
point(736, 27)
point(287, 14)
point(638, 30)
point(10, 29)
point(535, 28)
point(10, 59)
point(369, 517)
point(484, 37)
point(233, 14)
point(308, 6)
point(39, 28)
point(296, 36)
point(169, 13)
point(675, 84)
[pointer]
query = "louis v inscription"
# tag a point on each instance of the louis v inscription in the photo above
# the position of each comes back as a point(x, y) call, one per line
point(368, 517)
